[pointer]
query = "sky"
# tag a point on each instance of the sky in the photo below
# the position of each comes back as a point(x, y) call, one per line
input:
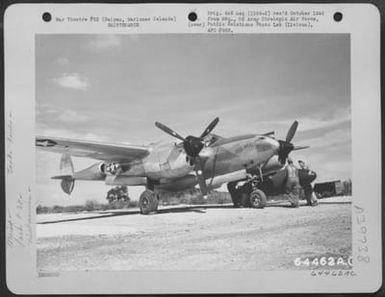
point(114, 87)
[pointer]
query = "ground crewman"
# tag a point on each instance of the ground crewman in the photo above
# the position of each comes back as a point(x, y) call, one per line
point(308, 188)
point(292, 183)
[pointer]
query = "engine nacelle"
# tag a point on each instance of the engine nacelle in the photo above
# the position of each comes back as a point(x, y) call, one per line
point(272, 165)
point(110, 168)
point(217, 181)
point(102, 168)
point(91, 173)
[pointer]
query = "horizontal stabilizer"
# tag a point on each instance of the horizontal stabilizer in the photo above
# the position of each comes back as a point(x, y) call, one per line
point(65, 176)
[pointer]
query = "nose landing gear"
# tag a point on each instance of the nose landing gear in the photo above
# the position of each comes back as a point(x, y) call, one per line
point(257, 199)
point(247, 195)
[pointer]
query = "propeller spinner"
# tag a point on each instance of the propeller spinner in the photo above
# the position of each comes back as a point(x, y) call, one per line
point(193, 146)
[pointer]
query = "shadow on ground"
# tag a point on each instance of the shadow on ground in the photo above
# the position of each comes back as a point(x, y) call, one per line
point(106, 214)
point(174, 209)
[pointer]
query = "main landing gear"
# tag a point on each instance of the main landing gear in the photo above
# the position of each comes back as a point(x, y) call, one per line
point(148, 200)
point(246, 195)
point(257, 199)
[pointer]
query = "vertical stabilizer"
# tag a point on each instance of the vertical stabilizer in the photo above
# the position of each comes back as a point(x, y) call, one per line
point(67, 185)
point(66, 174)
point(66, 165)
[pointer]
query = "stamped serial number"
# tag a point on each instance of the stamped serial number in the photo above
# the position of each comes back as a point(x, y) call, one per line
point(324, 261)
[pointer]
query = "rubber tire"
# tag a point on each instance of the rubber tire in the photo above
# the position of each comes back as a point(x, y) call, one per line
point(148, 202)
point(257, 199)
point(234, 193)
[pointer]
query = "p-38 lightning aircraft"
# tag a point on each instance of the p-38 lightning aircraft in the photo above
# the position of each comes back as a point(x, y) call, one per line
point(208, 161)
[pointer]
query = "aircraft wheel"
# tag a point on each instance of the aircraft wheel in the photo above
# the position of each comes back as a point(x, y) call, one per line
point(258, 199)
point(148, 202)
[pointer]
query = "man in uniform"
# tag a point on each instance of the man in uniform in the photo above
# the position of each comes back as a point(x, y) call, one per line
point(292, 183)
point(307, 187)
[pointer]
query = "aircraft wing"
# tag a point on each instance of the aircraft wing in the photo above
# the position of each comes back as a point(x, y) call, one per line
point(92, 149)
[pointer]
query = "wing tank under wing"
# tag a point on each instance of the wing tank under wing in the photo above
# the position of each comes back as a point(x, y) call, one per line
point(92, 149)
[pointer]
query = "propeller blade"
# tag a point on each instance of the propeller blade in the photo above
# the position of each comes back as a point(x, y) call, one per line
point(291, 132)
point(284, 149)
point(192, 146)
point(168, 131)
point(300, 147)
point(210, 127)
point(200, 176)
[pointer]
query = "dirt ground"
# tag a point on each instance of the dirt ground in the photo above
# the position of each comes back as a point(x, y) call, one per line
point(217, 237)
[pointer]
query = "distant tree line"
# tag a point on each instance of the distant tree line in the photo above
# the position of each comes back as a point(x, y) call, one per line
point(119, 193)
point(90, 205)
point(194, 196)
point(118, 198)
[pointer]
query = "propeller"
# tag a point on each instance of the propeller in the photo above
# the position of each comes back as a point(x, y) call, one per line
point(168, 130)
point(285, 146)
point(193, 146)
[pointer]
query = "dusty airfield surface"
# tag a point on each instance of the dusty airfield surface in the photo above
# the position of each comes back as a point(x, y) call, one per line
point(217, 237)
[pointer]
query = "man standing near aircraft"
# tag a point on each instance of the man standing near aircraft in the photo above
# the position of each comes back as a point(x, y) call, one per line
point(308, 189)
point(292, 183)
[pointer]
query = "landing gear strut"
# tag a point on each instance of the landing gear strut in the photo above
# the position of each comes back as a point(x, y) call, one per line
point(247, 195)
point(234, 193)
point(148, 200)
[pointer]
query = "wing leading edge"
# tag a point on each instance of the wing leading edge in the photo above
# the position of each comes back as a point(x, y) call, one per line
point(92, 149)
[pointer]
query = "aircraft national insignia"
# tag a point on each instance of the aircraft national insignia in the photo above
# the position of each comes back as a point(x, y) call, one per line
point(45, 142)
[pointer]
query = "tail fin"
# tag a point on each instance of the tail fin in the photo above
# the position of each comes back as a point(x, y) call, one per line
point(66, 174)
point(67, 185)
point(66, 165)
